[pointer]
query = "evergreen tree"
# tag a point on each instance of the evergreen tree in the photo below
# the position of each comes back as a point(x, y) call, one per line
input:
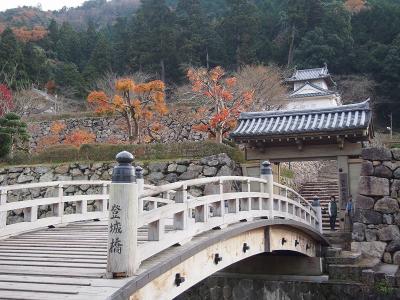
point(194, 33)
point(13, 132)
point(240, 29)
point(11, 58)
point(154, 39)
point(100, 60)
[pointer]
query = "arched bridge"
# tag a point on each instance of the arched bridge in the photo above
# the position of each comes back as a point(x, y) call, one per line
point(146, 242)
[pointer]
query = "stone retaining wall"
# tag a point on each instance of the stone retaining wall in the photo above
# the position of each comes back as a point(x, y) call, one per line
point(377, 212)
point(241, 287)
point(109, 129)
point(155, 173)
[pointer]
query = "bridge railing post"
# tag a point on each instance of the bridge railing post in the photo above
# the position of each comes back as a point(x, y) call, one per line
point(318, 212)
point(3, 214)
point(266, 174)
point(58, 208)
point(122, 254)
point(140, 186)
point(103, 203)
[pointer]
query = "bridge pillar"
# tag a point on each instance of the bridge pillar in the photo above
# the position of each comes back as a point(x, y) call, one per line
point(122, 255)
point(266, 174)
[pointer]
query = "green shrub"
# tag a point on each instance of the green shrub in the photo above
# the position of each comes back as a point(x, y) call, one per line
point(107, 152)
point(5, 144)
point(383, 287)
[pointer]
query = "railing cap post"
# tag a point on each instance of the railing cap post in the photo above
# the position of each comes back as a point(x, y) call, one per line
point(139, 172)
point(124, 172)
point(266, 168)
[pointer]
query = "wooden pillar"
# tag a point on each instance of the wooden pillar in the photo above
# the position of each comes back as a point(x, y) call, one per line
point(122, 256)
point(343, 168)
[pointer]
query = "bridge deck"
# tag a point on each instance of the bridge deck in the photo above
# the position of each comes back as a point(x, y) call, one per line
point(61, 263)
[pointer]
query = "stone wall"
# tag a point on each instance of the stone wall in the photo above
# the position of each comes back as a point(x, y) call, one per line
point(109, 129)
point(155, 173)
point(240, 287)
point(377, 213)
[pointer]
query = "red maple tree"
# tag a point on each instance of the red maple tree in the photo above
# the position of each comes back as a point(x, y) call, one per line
point(220, 102)
point(6, 100)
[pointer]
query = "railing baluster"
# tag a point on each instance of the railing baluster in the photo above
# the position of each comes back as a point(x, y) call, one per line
point(103, 203)
point(58, 208)
point(30, 214)
point(3, 214)
point(156, 230)
point(181, 218)
point(201, 213)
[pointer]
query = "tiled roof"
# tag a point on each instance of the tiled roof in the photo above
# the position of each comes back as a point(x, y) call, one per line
point(308, 74)
point(321, 91)
point(341, 118)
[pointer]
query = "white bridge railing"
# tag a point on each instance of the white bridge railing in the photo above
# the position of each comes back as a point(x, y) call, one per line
point(235, 198)
point(31, 218)
point(157, 216)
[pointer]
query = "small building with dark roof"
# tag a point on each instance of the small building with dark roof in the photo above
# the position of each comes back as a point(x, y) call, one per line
point(314, 125)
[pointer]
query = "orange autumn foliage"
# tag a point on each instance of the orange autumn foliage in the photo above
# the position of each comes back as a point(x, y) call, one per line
point(223, 104)
point(140, 104)
point(355, 6)
point(80, 137)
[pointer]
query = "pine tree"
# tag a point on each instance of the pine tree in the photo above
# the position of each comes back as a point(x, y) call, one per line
point(13, 132)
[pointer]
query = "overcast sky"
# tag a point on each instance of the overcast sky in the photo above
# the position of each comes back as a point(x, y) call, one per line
point(46, 4)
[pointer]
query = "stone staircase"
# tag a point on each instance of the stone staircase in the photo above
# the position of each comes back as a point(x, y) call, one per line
point(323, 190)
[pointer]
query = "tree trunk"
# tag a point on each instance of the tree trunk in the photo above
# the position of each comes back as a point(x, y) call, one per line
point(238, 53)
point(130, 129)
point(162, 70)
point(207, 59)
point(218, 136)
point(291, 47)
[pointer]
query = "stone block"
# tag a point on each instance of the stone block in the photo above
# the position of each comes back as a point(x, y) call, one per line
point(382, 171)
point(358, 233)
point(367, 216)
point(388, 233)
point(387, 258)
point(388, 219)
point(181, 169)
point(209, 171)
point(155, 176)
point(172, 168)
point(373, 186)
point(62, 169)
point(376, 153)
point(189, 175)
point(41, 170)
point(393, 246)
point(157, 167)
point(367, 168)
point(46, 177)
point(364, 202)
point(371, 235)
point(224, 171)
point(369, 249)
point(171, 177)
point(396, 258)
point(25, 178)
point(396, 153)
point(396, 174)
point(387, 205)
